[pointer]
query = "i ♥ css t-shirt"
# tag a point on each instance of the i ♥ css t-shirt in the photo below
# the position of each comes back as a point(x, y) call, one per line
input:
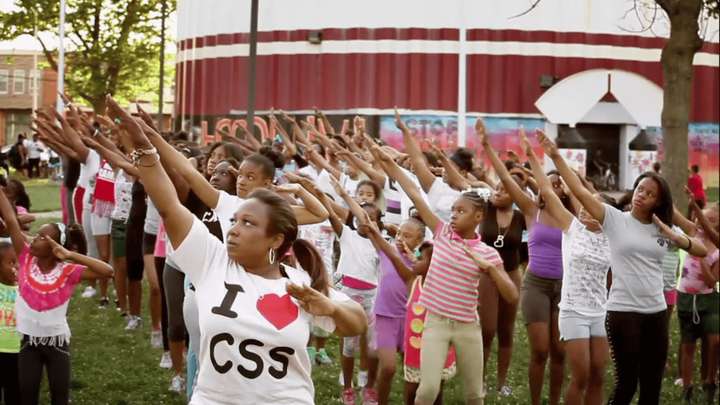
point(253, 334)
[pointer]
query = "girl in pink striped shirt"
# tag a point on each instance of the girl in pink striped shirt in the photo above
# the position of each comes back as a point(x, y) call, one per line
point(450, 293)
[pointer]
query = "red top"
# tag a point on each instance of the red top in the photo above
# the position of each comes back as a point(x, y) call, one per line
point(695, 184)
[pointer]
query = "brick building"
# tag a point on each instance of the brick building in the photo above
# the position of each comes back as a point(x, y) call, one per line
point(17, 93)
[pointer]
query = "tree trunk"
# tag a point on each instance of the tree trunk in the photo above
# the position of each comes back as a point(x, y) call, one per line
point(677, 64)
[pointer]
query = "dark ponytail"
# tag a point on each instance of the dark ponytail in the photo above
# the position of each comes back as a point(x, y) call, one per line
point(311, 261)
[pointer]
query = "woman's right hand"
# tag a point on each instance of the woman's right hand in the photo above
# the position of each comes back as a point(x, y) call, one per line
point(127, 122)
point(548, 145)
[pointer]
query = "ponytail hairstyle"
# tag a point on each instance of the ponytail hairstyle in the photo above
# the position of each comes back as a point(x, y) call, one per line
point(282, 220)
point(71, 237)
point(312, 262)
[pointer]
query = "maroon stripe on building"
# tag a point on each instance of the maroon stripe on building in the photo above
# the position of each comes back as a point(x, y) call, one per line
point(447, 34)
point(329, 34)
point(496, 83)
point(510, 83)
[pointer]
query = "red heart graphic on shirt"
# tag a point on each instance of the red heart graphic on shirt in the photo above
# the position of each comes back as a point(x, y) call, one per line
point(279, 311)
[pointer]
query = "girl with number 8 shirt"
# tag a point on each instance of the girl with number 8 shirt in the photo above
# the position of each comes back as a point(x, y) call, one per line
point(254, 314)
point(450, 292)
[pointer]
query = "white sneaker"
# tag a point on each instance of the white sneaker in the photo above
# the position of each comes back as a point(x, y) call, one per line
point(679, 382)
point(362, 378)
point(134, 322)
point(505, 391)
point(177, 384)
point(165, 360)
point(156, 339)
point(89, 292)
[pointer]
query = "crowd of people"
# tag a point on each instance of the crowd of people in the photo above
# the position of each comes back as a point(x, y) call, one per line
point(256, 252)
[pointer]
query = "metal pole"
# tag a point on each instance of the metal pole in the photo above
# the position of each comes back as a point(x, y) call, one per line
point(462, 79)
point(163, 9)
point(251, 74)
point(61, 59)
point(35, 69)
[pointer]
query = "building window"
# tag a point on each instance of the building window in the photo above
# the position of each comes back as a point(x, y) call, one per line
point(19, 82)
point(4, 80)
point(31, 75)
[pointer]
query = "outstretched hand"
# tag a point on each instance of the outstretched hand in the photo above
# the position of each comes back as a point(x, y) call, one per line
point(311, 300)
point(399, 123)
point(548, 145)
point(480, 131)
point(132, 128)
point(525, 142)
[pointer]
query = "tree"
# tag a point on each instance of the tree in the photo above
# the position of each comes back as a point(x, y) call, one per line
point(112, 45)
point(677, 63)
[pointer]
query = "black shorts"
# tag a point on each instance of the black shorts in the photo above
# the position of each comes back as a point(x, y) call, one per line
point(699, 315)
point(148, 243)
point(134, 250)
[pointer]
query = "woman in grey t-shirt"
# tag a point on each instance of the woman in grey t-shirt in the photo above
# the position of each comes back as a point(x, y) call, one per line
point(636, 322)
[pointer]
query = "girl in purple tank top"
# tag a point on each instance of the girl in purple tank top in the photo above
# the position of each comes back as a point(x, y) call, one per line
point(540, 292)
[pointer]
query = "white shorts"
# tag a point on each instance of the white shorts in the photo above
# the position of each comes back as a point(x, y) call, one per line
point(575, 326)
point(100, 225)
point(366, 298)
point(92, 250)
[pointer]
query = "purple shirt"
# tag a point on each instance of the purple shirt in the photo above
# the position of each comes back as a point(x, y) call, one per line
point(545, 251)
point(392, 294)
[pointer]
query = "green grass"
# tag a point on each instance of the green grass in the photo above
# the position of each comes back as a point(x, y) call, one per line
point(44, 195)
point(112, 366)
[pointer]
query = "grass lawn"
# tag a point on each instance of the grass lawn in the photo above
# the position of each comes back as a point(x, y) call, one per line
point(44, 195)
point(112, 366)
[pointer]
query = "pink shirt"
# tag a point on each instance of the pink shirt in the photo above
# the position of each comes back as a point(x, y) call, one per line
point(692, 281)
point(45, 291)
point(451, 284)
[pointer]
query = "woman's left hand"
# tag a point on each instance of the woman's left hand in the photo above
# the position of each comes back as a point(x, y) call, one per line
point(311, 300)
point(665, 230)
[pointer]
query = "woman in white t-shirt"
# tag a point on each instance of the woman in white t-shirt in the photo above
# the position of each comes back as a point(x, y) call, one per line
point(581, 321)
point(254, 315)
point(637, 324)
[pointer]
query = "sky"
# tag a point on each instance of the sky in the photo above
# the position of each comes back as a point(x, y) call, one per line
point(28, 42)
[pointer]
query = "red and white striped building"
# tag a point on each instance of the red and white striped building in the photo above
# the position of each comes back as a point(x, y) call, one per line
point(440, 59)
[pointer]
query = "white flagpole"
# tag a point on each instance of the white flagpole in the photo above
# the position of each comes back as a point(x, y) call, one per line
point(61, 59)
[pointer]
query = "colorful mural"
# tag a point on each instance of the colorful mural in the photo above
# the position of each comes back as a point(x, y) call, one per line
point(703, 149)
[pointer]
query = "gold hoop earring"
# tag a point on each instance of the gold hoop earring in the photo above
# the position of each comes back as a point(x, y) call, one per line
point(271, 256)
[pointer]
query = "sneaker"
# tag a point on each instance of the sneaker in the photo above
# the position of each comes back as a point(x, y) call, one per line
point(679, 382)
point(104, 302)
point(370, 396)
point(89, 292)
point(177, 384)
point(322, 358)
point(165, 360)
point(156, 339)
point(505, 391)
point(362, 378)
point(348, 396)
point(134, 322)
